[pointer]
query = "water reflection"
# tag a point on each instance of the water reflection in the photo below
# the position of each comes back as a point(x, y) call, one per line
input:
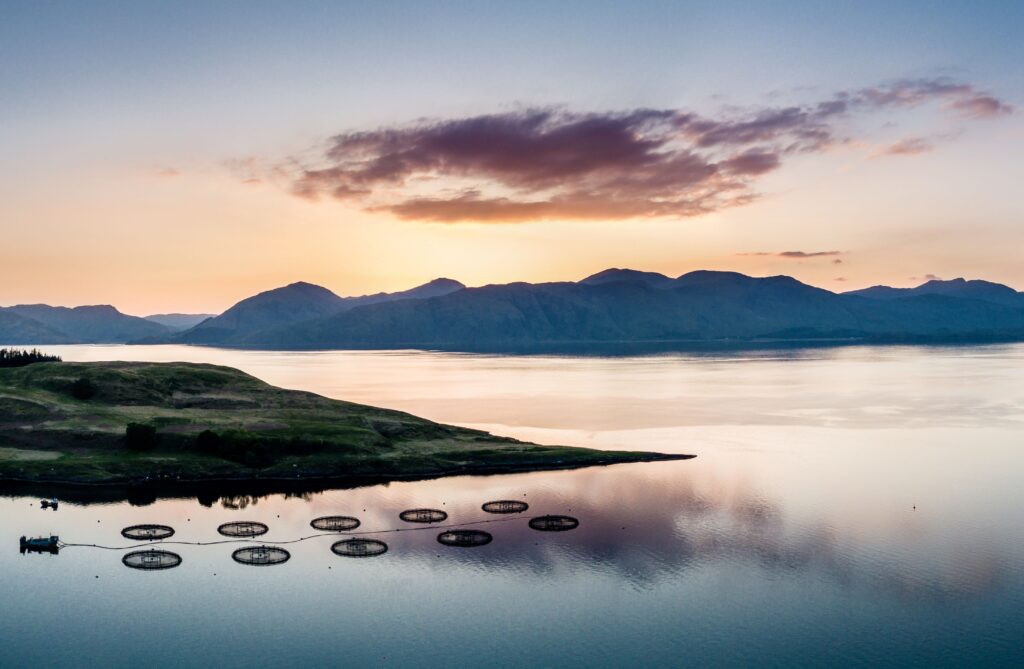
point(644, 526)
point(852, 507)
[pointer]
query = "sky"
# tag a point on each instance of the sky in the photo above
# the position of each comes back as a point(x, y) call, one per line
point(181, 156)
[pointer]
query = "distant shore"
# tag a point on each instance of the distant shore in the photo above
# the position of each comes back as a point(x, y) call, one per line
point(620, 347)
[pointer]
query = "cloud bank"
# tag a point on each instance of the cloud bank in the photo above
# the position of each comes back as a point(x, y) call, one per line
point(542, 164)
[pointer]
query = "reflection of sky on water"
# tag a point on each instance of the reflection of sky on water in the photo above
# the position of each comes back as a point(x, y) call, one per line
point(791, 540)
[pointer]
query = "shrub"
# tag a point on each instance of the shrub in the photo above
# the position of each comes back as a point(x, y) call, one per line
point(208, 442)
point(83, 389)
point(140, 437)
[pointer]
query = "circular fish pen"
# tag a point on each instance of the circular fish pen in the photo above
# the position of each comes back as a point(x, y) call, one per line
point(359, 548)
point(423, 515)
point(505, 506)
point(147, 532)
point(151, 560)
point(243, 529)
point(334, 523)
point(464, 538)
point(261, 556)
point(554, 523)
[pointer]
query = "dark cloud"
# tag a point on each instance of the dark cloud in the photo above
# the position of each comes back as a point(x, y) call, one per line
point(541, 164)
point(751, 163)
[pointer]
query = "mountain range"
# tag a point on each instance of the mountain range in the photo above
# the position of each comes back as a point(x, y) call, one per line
point(293, 305)
point(178, 322)
point(99, 324)
point(616, 306)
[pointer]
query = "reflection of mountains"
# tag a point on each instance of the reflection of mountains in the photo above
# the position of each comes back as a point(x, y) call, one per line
point(646, 529)
point(643, 524)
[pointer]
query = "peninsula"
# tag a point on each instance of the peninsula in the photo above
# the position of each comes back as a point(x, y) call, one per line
point(131, 422)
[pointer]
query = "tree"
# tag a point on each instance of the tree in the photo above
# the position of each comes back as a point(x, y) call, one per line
point(11, 357)
point(208, 442)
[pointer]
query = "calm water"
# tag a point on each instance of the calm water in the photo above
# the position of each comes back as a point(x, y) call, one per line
point(791, 540)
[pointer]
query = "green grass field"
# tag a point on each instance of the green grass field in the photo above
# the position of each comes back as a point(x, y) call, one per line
point(67, 422)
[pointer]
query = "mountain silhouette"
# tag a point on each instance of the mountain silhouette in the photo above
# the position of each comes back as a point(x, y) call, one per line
point(99, 324)
point(614, 307)
point(623, 306)
point(178, 322)
point(985, 291)
point(292, 304)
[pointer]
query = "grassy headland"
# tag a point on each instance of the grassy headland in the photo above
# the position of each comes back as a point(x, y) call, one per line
point(127, 422)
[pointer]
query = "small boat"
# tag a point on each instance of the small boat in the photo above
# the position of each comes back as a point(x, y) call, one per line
point(50, 544)
point(49, 503)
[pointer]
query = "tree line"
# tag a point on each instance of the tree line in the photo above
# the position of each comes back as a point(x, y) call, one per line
point(12, 357)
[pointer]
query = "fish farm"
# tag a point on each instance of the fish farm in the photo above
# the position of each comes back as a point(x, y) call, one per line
point(423, 516)
point(465, 538)
point(271, 553)
point(554, 523)
point(505, 506)
point(147, 532)
point(334, 523)
point(151, 560)
point(243, 529)
point(261, 556)
point(359, 548)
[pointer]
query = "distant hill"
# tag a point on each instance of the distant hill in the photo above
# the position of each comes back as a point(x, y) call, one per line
point(622, 306)
point(15, 329)
point(178, 322)
point(293, 304)
point(434, 288)
point(289, 304)
point(615, 274)
point(101, 324)
point(985, 291)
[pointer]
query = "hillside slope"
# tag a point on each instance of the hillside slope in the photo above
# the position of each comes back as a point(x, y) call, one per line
point(68, 422)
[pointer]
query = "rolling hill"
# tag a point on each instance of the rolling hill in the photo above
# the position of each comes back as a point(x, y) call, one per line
point(178, 422)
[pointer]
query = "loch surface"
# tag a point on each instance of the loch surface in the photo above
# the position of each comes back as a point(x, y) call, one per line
point(856, 506)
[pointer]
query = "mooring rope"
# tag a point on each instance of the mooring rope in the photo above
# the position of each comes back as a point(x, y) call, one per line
point(319, 535)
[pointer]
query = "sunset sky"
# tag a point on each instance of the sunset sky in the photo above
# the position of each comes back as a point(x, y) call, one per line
point(179, 157)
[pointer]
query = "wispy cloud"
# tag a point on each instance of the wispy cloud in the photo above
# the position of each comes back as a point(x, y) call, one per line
point(980, 107)
point(550, 163)
point(797, 255)
point(911, 146)
point(808, 254)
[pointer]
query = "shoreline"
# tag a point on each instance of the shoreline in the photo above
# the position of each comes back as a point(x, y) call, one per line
point(148, 489)
point(611, 346)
